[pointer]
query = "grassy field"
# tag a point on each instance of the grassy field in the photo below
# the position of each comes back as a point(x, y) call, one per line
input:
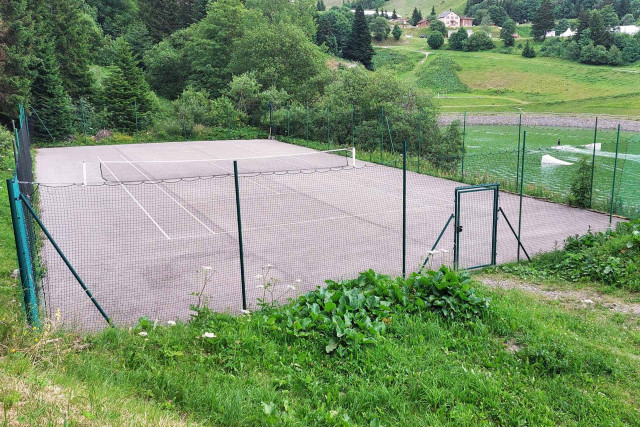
point(405, 7)
point(508, 82)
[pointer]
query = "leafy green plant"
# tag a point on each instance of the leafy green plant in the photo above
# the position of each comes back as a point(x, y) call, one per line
point(581, 185)
point(356, 312)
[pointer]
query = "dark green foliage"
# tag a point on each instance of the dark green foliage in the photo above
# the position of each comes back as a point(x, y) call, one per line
point(581, 185)
point(507, 32)
point(498, 15)
point(562, 26)
point(356, 312)
point(599, 33)
point(528, 51)
point(596, 55)
point(50, 101)
point(394, 15)
point(115, 16)
point(397, 32)
point(478, 41)
point(359, 46)
point(164, 17)
point(334, 29)
point(16, 50)
point(126, 95)
point(435, 40)
point(457, 39)
point(438, 26)
point(416, 16)
point(433, 11)
point(380, 28)
point(631, 51)
point(320, 6)
point(544, 20)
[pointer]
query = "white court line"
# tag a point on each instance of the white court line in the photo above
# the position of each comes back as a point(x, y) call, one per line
point(171, 197)
point(135, 200)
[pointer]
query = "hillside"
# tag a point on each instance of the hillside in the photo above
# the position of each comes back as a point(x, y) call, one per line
point(405, 7)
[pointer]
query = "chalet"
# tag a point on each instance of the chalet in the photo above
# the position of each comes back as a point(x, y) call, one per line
point(423, 23)
point(452, 20)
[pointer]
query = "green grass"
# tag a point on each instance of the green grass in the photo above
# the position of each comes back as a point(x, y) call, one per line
point(405, 7)
point(506, 82)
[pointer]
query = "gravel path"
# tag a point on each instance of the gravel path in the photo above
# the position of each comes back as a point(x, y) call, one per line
point(551, 120)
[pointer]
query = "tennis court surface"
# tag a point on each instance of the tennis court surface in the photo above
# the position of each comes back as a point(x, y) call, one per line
point(153, 228)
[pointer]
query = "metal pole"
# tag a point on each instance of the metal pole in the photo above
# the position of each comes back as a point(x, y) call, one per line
point(419, 138)
point(24, 255)
point(135, 107)
point(288, 117)
point(404, 209)
point(242, 278)
point(353, 119)
point(270, 121)
point(615, 169)
point(518, 161)
point(84, 124)
point(524, 147)
point(328, 138)
point(306, 132)
point(464, 133)
point(593, 162)
point(64, 258)
point(381, 133)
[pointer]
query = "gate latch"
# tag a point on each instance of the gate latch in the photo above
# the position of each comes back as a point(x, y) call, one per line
point(459, 229)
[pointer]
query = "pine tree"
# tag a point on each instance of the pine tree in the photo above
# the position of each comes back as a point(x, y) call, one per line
point(394, 15)
point(397, 32)
point(49, 100)
point(320, 6)
point(544, 20)
point(528, 51)
point(126, 95)
point(506, 33)
point(433, 11)
point(359, 46)
point(415, 17)
point(16, 52)
point(599, 33)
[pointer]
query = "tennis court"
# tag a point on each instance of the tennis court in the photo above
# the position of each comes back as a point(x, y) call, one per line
point(153, 228)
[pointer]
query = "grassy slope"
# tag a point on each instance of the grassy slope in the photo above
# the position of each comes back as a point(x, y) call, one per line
point(506, 82)
point(405, 7)
point(527, 362)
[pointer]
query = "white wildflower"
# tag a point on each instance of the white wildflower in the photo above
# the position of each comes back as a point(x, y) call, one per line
point(433, 252)
point(143, 333)
point(291, 287)
point(171, 323)
point(208, 335)
point(206, 267)
point(268, 266)
point(259, 276)
point(246, 312)
point(298, 280)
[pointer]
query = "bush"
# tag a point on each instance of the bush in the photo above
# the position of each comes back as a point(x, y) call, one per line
point(457, 39)
point(435, 40)
point(478, 41)
point(528, 51)
point(350, 313)
point(581, 185)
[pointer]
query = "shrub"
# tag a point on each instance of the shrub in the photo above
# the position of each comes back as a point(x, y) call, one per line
point(581, 185)
point(528, 51)
point(350, 313)
point(457, 39)
point(435, 40)
point(478, 41)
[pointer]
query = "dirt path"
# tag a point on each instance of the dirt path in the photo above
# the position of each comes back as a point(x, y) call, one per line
point(580, 298)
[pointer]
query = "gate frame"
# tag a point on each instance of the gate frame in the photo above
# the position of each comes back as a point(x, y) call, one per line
point(457, 228)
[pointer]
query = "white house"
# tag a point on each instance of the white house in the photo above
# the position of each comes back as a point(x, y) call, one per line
point(629, 29)
point(450, 19)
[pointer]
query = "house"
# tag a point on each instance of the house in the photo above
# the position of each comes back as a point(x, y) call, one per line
point(452, 20)
point(423, 23)
point(629, 29)
point(465, 21)
point(568, 33)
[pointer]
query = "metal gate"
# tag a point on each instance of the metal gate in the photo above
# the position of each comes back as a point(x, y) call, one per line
point(475, 227)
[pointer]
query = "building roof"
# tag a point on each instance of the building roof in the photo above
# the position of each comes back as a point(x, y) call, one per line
point(445, 13)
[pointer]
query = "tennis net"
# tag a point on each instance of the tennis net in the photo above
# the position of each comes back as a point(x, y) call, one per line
point(125, 170)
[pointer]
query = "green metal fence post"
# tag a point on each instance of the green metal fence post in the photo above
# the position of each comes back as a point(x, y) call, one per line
point(464, 134)
point(593, 162)
point(288, 117)
point(524, 148)
point(84, 123)
point(419, 138)
point(270, 121)
point(381, 134)
point(404, 209)
point(328, 138)
point(306, 130)
point(518, 161)
point(27, 278)
point(135, 109)
point(615, 169)
point(242, 277)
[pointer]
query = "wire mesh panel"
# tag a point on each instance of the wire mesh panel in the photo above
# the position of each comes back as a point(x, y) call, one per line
point(475, 226)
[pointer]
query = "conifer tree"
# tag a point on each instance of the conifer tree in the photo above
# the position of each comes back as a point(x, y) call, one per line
point(433, 11)
point(415, 16)
point(397, 32)
point(320, 6)
point(394, 15)
point(544, 20)
point(49, 100)
point(126, 95)
point(359, 46)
